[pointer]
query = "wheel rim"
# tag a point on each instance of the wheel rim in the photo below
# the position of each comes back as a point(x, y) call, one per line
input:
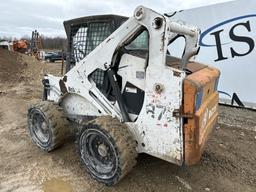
point(98, 153)
point(39, 127)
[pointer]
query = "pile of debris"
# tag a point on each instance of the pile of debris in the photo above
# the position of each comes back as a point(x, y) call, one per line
point(16, 67)
point(10, 66)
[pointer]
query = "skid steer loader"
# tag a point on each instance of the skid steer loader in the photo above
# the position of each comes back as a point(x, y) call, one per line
point(129, 95)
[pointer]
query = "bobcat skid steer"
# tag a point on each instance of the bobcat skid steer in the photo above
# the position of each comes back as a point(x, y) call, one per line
point(129, 95)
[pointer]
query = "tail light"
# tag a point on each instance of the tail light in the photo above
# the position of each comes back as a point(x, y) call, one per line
point(216, 83)
point(199, 97)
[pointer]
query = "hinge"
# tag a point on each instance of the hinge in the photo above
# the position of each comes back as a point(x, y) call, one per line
point(179, 113)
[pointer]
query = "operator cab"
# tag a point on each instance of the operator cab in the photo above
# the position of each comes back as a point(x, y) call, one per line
point(86, 33)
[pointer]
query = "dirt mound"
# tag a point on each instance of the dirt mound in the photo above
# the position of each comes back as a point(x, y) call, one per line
point(10, 66)
point(16, 67)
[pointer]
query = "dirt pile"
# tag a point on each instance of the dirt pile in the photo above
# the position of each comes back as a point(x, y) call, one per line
point(16, 67)
point(10, 66)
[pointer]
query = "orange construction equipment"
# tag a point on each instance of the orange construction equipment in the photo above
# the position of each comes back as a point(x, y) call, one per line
point(20, 46)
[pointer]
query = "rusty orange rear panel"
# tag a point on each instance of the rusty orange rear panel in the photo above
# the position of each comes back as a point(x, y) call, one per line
point(203, 119)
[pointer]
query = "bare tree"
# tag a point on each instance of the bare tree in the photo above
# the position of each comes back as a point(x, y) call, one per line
point(59, 43)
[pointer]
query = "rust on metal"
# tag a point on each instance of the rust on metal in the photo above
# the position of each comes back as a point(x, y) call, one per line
point(194, 66)
point(63, 87)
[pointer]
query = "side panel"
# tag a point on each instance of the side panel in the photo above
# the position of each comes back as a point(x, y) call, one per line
point(159, 132)
point(76, 105)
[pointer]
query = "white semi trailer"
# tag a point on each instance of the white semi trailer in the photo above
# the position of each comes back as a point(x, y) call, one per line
point(228, 37)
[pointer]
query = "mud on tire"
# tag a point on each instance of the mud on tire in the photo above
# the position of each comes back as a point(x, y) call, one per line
point(47, 125)
point(107, 149)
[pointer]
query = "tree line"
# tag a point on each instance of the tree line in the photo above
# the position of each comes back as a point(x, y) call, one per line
point(59, 43)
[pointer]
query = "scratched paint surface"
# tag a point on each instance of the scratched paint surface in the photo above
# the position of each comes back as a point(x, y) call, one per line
point(161, 133)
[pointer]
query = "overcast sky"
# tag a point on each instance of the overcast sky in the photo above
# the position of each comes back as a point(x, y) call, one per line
point(20, 17)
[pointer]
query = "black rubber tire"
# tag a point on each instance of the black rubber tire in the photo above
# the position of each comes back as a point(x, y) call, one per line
point(56, 125)
point(121, 144)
